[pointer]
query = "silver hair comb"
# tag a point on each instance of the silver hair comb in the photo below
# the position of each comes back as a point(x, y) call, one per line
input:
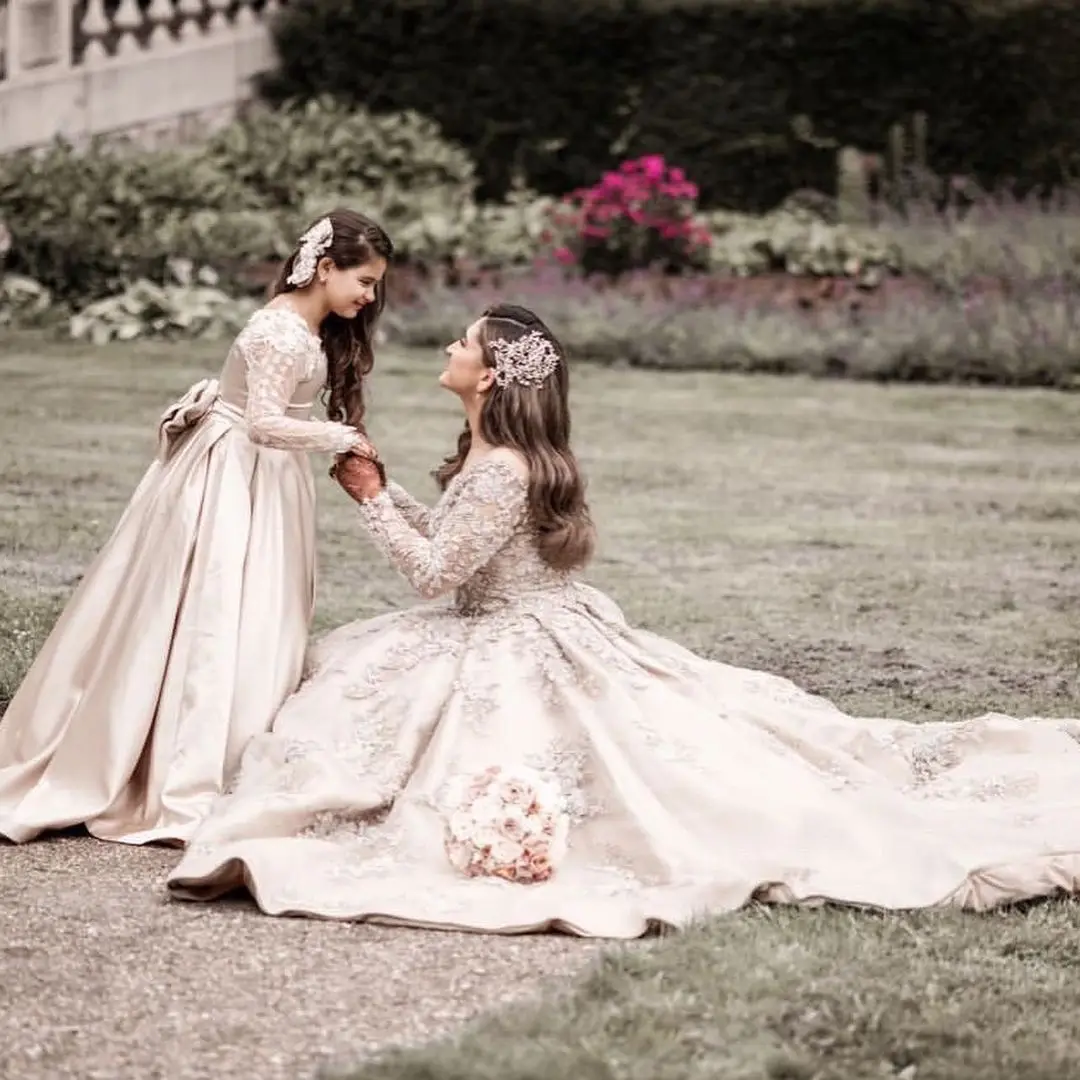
point(529, 361)
point(313, 245)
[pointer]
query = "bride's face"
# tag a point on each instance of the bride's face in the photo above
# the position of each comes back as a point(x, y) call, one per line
point(465, 372)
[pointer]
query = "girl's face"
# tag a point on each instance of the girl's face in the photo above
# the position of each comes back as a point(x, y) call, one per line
point(349, 291)
point(465, 373)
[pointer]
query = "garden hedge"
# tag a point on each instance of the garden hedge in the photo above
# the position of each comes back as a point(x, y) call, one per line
point(562, 88)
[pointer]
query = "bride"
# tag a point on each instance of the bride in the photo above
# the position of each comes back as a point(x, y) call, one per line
point(519, 758)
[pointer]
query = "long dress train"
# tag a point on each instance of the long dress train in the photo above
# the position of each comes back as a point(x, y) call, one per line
point(691, 787)
point(190, 627)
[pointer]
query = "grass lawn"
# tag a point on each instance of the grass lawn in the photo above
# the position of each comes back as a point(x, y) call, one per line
point(906, 550)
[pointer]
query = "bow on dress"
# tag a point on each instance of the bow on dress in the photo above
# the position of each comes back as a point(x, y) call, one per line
point(180, 417)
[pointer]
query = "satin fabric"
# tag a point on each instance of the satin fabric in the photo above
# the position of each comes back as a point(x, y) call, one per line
point(180, 643)
point(691, 787)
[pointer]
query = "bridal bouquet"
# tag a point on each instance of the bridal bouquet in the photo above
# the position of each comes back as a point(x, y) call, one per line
point(509, 824)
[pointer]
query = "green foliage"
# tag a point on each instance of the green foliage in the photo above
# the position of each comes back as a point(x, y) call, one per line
point(190, 305)
point(797, 994)
point(25, 622)
point(798, 242)
point(751, 98)
point(23, 301)
point(512, 232)
point(85, 223)
point(441, 227)
point(228, 239)
point(322, 145)
point(1004, 241)
point(1017, 336)
point(116, 232)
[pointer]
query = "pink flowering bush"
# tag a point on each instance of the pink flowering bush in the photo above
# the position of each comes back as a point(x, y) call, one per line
point(640, 216)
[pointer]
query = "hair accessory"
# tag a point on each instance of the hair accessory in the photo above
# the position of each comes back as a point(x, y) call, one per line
point(528, 361)
point(313, 245)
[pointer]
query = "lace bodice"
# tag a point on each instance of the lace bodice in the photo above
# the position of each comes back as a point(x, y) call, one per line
point(273, 373)
point(477, 542)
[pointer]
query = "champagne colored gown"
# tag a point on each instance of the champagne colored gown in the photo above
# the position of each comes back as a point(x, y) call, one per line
point(692, 787)
point(189, 629)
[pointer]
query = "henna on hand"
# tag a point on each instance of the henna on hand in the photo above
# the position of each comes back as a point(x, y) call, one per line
point(360, 477)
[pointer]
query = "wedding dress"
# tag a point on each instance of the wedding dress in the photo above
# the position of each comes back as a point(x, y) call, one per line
point(691, 787)
point(189, 629)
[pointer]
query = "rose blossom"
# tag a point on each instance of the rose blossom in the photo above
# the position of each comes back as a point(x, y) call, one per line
point(514, 824)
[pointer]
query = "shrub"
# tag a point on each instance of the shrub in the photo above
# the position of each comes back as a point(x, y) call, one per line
point(1002, 239)
point(427, 226)
point(443, 228)
point(638, 216)
point(511, 233)
point(85, 222)
point(23, 301)
point(905, 331)
point(283, 155)
point(189, 305)
point(795, 241)
point(753, 98)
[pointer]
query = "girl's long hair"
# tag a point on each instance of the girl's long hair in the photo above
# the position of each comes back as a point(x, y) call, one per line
point(348, 343)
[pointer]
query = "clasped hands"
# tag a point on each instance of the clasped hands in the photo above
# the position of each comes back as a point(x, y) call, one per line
point(360, 472)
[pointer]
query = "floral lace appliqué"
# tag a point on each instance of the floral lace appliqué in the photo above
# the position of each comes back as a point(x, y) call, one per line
point(475, 518)
point(279, 354)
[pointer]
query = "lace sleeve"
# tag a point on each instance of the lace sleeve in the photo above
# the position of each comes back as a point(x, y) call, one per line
point(412, 510)
point(277, 351)
point(488, 508)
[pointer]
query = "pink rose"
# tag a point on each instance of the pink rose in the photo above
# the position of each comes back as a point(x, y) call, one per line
point(513, 826)
point(540, 868)
point(517, 793)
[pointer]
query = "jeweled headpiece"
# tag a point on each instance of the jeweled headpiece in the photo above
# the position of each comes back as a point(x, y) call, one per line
point(313, 245)
point(529, 361)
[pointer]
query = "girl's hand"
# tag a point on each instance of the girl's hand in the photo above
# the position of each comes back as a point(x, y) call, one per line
point(364, 448)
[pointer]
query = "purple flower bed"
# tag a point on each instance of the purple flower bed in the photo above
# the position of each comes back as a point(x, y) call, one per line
point(992, 332)
point(629, 271)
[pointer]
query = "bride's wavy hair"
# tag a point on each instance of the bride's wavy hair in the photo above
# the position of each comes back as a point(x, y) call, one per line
point(535, 421)
point(349, 344)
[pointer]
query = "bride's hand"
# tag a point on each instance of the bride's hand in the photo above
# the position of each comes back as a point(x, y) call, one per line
point(359, 476)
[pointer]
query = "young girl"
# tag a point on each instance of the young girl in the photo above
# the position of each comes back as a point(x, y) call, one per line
point(190, 628)
point(664, 786)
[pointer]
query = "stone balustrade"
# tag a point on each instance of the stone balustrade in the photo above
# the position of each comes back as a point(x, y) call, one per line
point(151, 69)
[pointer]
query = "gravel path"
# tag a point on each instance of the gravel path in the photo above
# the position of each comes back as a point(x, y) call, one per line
point(102, 977)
